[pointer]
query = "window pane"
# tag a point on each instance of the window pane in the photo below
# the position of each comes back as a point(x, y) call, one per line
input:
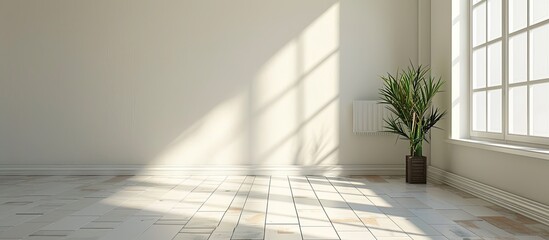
point(479, 111)
point(517, 14)
point(494, 19)
point(539, 110)
point(518, 114)
point(539, 10)
point(494, 111)
point(539, 53)
point(479, 68)
point(479, 24)
point(494, 64)
point(518, 58)
point(475, 1)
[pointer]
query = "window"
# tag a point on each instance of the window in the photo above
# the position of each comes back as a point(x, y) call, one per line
point(510, 70)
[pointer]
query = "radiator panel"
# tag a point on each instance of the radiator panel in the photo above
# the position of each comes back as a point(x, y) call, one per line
point(368, 117)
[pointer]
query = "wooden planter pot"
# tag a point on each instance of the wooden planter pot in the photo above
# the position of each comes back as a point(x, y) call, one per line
point(416, 169)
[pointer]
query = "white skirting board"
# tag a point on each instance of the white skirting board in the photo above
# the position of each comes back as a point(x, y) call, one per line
point(328, 170)
point(521, 205)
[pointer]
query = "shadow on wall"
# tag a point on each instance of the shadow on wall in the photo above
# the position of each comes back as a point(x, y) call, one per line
point(288, 110)
point(196, 82)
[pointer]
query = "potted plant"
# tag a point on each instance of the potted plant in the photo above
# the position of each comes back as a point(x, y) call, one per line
point(409, 96)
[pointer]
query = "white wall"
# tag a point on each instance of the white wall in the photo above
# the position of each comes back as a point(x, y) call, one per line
point(197, 82)
point(520, 175)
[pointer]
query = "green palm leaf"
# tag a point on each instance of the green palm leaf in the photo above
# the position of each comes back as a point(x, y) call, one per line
point(409, 95)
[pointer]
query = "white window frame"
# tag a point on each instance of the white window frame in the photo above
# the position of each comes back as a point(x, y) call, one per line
point(504, 136)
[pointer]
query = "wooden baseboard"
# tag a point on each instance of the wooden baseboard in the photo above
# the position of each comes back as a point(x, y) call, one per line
point(524, 206)
point(329, 170)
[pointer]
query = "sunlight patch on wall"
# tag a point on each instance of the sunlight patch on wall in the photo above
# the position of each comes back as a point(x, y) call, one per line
point(275, 108)
point(460, 70)
point(456, 70)
point(321, 113)
point(220, 137)
point(277, 76)
point(321, 38)
point(273, 130)
point(287, 115)
point(321, 89)
point(295, 102)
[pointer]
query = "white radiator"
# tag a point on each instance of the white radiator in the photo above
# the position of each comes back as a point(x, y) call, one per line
point(368, 117)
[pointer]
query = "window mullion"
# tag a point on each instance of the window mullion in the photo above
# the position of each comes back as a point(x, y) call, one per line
point(470, 57)
point(528, 70)
point(505, 69)
point(487, 43)
point(487, 88)
point(476, 4)
point(486, 115)
point(506, 85)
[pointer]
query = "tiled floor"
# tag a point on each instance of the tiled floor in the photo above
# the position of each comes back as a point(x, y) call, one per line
point(248, 207)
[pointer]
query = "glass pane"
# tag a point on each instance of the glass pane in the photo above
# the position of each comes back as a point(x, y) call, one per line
point(517, 14)
point(539, 53)
point(518, 114)
point(494, 111)
point(518, 58)
point(479, 111)
point(539, 11)
point(479, 68)
point(479, 24)
point(494, 64)
point(539, 110)
point(475, 1)
point(494, 19)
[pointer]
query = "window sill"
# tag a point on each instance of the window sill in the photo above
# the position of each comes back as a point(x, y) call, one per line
point(540, 153)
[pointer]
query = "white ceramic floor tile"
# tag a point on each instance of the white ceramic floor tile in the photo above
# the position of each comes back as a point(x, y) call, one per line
point(280, 206)
point(205, 220)
point(249, 207)
point(190, 236)
point(130, 229)
point(364, 235)
point(319, 233)
point(84, 234)
point(415, 226)
point(455, 232)
point(282, 232)
point(480, 211)
point(416, 237)
point(70, 223)
point(383, 227)
point(156, 232)
point(457, 214)
point(313, 218)
point(431, 216)
point(248, 232)
point(410, 202)
point(22, 230)
point(484, 229)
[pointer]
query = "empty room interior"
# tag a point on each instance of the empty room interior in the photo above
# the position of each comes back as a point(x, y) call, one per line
point(274, 119)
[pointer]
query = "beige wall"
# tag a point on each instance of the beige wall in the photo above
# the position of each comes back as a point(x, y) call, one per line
point(517, 174)
point(197, 82)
